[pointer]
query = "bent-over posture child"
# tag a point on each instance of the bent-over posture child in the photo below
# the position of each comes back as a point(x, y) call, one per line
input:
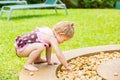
point(31, 45)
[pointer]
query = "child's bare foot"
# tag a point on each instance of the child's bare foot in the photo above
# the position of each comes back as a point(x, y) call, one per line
point(30, 67)
point(52, 63)
point(38, 61)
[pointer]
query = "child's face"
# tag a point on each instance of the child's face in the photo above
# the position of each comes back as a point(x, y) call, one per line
point(61, 38)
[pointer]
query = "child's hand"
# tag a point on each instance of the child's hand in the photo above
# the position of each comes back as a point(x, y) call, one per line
point(69, 69)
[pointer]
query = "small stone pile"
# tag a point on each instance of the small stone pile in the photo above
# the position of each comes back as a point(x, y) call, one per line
point(85, 67)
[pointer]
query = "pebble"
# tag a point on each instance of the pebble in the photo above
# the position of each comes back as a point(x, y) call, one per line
point(31, 73)
point(115, 74)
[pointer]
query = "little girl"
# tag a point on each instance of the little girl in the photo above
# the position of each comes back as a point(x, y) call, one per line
point(31, 45)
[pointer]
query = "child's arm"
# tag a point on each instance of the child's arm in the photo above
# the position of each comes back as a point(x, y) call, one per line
point(48, 54)
point(59, 54)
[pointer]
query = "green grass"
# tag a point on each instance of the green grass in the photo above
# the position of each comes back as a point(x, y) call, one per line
point(93, 27)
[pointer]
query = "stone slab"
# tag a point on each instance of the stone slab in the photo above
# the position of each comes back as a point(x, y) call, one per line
point(110, 70)
point(48, 72)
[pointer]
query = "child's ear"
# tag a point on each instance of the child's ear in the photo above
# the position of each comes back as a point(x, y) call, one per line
point(62, 33)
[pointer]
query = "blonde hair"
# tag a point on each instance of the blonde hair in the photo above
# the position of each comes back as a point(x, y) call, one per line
point(65, 27)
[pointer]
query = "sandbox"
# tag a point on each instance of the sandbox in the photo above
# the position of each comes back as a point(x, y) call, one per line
point(50, 72)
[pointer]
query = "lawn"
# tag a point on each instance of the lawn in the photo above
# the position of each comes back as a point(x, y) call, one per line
point(93, 27)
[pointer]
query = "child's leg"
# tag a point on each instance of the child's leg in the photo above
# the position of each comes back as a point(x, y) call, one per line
point(40, 60)
point(33, 52)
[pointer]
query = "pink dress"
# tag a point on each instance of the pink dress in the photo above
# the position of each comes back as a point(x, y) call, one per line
point(32, 37)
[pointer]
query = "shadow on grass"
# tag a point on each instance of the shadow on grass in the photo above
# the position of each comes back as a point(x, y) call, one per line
point(33, 16)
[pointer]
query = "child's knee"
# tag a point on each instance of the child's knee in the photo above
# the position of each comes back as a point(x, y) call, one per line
point(36, 46)
point(39, 50)
point(39, 47)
